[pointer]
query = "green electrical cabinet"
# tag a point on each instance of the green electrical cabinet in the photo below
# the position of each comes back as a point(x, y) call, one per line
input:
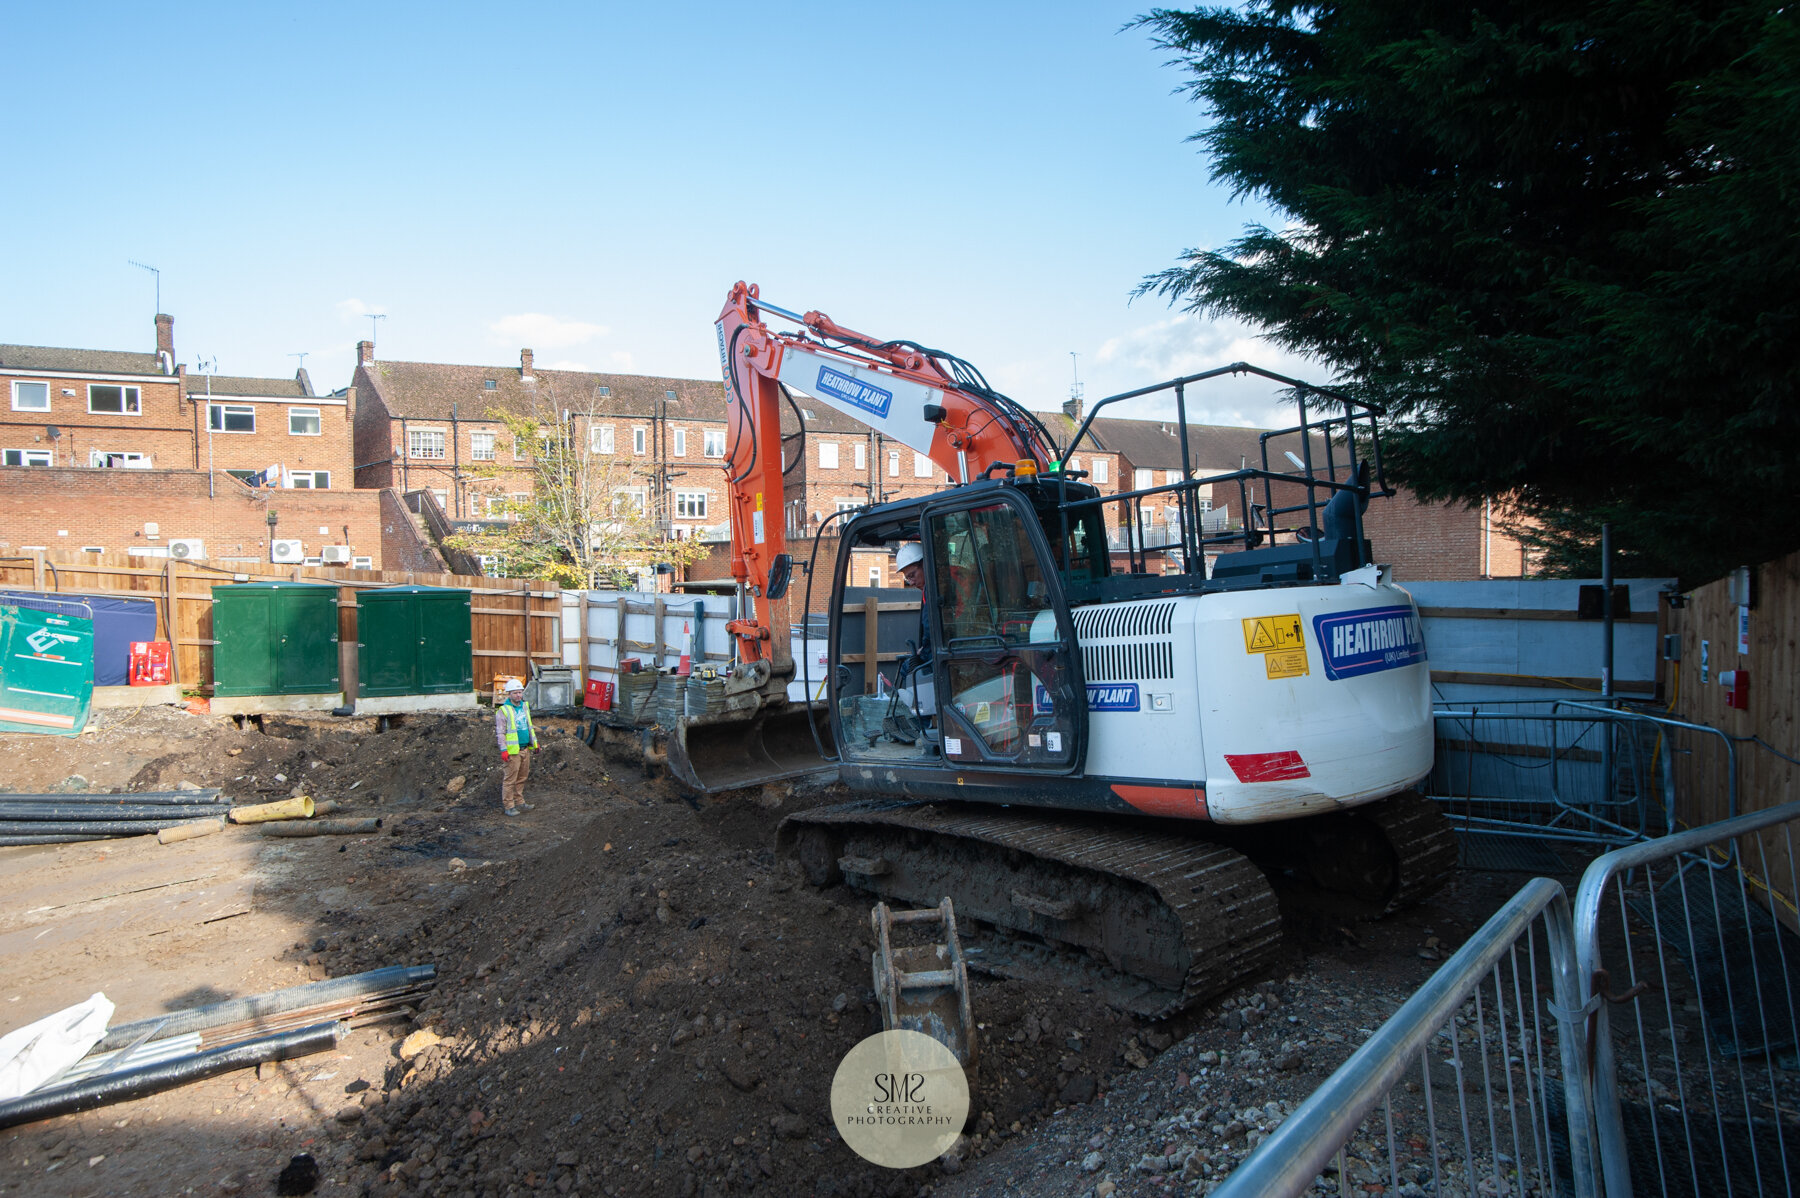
point(414, 641)
point(275, 638)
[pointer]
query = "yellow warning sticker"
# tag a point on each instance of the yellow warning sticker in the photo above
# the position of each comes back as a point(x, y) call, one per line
point(982, 713)
point(1272, 634)
point(1285, 663)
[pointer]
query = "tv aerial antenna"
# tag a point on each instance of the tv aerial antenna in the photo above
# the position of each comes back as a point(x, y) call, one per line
point(157, 273)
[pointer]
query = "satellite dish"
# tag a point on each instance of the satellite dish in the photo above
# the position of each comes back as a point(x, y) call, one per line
point(51, 431)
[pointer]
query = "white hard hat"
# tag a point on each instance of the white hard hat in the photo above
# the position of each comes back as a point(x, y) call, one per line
point(515, 688)
point(911, 554)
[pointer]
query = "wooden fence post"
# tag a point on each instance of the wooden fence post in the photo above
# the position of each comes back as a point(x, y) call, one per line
point(871, 629)
point(581, 673)
point(171, 588)
point(660, 615)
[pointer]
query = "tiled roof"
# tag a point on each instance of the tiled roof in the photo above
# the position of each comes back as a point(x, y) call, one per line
point(225, 384)
point(86, 361)
point(426, 391)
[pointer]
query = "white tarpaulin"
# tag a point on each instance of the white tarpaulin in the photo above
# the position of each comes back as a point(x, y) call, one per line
point(33, 1054)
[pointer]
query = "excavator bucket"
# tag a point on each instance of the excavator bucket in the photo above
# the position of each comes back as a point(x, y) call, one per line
point(732, 750)
point(923, 987)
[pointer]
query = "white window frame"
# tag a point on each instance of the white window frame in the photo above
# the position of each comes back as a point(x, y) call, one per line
point(304, 414)
point(828, 455)
point(679, 439)
point(712, 443)
point(97, 457)
point(861, 456)
point(875, 576)
point(893, 463)
point(640, 438)
point(217, 413)
point(1101, 470)
point(25, 456)
point(691, 505)
point(922, 465)
point(1143, 479)
point(845, 504)
point(312, 480)
point(134, 394)
point(19, 407)
point(1171, 477)
point(601, 439)
point(482, 446)
point(639, 498)
point(442, 495)
point(418, 438)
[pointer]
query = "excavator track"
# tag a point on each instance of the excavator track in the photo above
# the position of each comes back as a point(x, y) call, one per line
point(1423, 843)
point(1157, 919)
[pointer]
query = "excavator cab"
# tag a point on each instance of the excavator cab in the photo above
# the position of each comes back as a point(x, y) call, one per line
point(991, 680)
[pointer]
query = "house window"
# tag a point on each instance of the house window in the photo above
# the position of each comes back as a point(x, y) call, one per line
point(231, 417)
point(874, 576)
point(442, 496)
point(862, 456)
point(600, 439)
point(690, 505)
point(848, 505)
point(490, 385)
point(638, 437)
point(425, 443)
point(303, 422)
point(481, 447)
point(921, 466)
point(604, 391)
point(25, 457)
point(680, 439)
point(31, 397)
point(1171, 477)
point(828, 455)
point(1100, 470)
point(628, 500)
point(668, 395)
point(244, 476)
point(320, 480)
point(116, 460)
point(894, 463)
point(122, 401)
point(1145, 480)
point(712, 443)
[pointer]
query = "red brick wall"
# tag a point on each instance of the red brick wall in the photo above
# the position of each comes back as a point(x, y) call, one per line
point(403, 546)
point(109, 508)
point(1440, 542)
point(164, 428)
point(272, 443)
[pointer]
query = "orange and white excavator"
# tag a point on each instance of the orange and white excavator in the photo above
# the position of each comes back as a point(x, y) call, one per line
point(1100, 740)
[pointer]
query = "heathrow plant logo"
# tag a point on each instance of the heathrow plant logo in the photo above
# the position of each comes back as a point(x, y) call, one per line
point(900, 1099)
point(851, 390)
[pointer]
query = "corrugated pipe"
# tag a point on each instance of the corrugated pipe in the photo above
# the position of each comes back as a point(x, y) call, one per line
point(167, 812)
point(148, 796)
point(106, 827)
point(12, 841)
point(151, 1079)
point(96, 1064)
point(236, 1010)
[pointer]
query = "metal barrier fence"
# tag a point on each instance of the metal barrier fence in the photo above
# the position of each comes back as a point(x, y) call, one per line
point(1495, 1075)
point(1691, 976)
point(1574, 771)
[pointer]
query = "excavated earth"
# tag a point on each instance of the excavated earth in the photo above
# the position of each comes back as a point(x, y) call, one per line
point(633, 997)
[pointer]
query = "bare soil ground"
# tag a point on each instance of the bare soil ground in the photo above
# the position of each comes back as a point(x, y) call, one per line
point(633, 996)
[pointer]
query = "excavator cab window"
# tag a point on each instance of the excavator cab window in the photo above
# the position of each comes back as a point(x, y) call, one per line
point(1005, 671)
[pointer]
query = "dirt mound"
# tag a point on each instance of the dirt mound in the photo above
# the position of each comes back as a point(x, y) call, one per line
point(657, 1007)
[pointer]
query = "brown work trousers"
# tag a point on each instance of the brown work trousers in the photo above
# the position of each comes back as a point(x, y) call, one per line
point(513, 772)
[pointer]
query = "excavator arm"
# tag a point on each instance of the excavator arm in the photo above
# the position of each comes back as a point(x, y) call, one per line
point(927, 400)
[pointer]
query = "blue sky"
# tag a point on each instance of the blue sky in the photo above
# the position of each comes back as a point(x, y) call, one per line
point(589, 180)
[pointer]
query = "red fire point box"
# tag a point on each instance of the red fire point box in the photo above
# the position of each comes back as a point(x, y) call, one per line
point(149, 663)
point(599, 695)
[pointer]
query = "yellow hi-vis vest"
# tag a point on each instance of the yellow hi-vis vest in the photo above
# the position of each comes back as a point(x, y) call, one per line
point(512, 725)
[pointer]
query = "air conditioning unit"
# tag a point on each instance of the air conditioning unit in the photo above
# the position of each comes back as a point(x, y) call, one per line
point(362, 563)
point(335, 555)
point(187, 548)
point(291, 552)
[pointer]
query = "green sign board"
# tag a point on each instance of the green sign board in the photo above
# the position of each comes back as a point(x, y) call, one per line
point(46, 671)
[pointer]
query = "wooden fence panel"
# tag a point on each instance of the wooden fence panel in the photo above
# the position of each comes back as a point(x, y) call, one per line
point(514, 620)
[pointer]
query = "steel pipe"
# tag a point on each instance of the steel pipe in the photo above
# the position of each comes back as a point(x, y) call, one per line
point(150, 1079)
point(276, 1002)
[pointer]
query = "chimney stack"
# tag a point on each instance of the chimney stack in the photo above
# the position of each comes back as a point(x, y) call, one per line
point(365, 352)
point(165, 342)
point(1072, 409)
point(525, 357)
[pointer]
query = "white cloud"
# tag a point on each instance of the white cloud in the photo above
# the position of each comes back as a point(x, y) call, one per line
point(566, 364)
point(355, 309)
point(535, 329)
point(1183, 345)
